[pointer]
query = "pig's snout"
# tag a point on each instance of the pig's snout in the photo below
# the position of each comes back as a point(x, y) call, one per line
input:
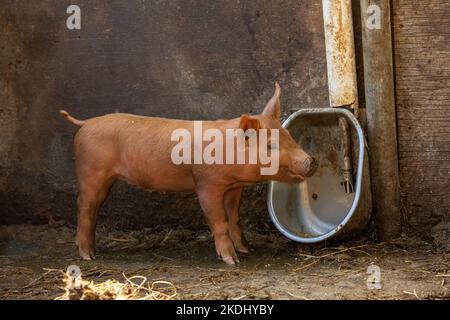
point(310, 166)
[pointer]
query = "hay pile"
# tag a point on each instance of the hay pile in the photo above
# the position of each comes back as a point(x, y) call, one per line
point(133, 288)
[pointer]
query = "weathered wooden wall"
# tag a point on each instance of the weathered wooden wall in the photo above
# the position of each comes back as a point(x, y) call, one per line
point(422, 67)
point(179, 58)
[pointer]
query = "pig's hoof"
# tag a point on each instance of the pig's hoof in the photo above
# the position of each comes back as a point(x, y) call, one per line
point(241, 245)
point(86, 254)
point(225, 249)
point(230, 260)
point(239, 242)
point(242, 249)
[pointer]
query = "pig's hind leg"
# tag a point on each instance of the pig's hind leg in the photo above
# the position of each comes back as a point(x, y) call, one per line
point(93, 191)
point(212, 203)
point(232, 201)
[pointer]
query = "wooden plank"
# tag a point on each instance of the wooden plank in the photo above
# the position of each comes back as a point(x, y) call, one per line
point(422, 65)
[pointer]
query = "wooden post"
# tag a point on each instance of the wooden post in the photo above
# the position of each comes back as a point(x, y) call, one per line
point(381, 115)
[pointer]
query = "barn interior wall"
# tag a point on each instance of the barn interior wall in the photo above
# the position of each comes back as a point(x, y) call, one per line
point(177, 59)
point(197, 60)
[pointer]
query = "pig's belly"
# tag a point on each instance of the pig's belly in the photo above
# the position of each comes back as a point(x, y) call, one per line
point(163, 184)
point(153, 177)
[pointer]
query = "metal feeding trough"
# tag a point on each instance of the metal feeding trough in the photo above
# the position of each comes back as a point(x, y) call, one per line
point(322, 205)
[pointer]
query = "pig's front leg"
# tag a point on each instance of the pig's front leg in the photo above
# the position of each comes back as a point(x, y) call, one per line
point(212, 203)
point(232, 201)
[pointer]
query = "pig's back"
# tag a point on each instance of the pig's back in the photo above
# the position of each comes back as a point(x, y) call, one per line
point(136, 149)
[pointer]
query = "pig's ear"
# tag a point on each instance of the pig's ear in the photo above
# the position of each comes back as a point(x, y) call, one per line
point(249, 122)
point(273, 107)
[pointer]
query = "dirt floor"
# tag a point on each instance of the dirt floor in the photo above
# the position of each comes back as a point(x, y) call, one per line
point(32, 257)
